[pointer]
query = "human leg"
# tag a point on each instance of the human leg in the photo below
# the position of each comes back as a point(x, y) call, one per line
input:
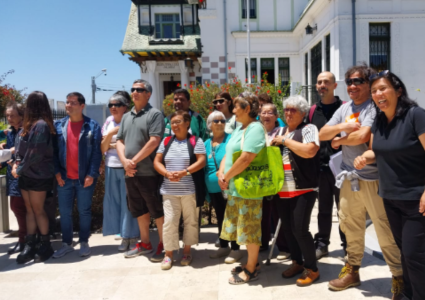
point(17, 205)
point(66, 196)
point(326, 201)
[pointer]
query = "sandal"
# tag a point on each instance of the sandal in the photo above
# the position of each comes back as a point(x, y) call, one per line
point(239, 269)
point(238, 280)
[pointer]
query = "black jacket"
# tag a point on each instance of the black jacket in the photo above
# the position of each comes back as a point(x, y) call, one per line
point(320, 118)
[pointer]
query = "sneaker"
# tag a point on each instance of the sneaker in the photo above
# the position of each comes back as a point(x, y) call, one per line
point(133, 243)
point(63, 250)
point(220, 252)
point(321, 252)
point(159, 254)
point(118, 237)
point(217, 243)
point(186, 260)
point(84, 249)
point(166, 263)
point(283, 256)
point(125, 245)
point(141, 248)
point(234, 256)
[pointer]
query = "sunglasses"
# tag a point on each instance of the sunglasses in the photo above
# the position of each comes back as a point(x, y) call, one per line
point(380, 74)
point(219, 121)
point(291, 110)
point(355, 81)
point(219, 101)
point(139, 90)
point(110, 105)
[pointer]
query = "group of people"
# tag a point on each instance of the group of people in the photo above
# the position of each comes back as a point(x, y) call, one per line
point(165, 168)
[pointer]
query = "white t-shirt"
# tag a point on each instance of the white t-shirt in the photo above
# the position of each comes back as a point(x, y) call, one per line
point(111, 156)
point(177, 159)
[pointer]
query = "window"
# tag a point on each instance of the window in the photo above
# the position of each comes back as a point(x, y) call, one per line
point(252, 9)
point(328, 52)
point(167, 26)
point(267, 69)
point(284, 70)
point(316, 62)
point(379, 46)
point(253, 68)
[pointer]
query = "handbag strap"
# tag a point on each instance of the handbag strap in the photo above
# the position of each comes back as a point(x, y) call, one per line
point(265, 135)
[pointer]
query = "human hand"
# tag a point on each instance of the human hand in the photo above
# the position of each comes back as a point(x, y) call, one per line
point(2, 145)
point(130, 172)
point(114, 131)
point(88, 181)
point(6, 131)
point(128, 164)
point(422, 205)
point(349, 127)
point(113, 146)
point(222, 183)
point(14, 174)
point(59, 179)
point(277, 140)
point(336, 143)
point(359, 162)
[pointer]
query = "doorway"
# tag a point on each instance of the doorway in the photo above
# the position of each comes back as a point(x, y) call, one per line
point(170, 87)
point(267, 65)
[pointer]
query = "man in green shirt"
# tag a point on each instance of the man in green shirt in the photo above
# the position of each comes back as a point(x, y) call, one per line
point(198, 126)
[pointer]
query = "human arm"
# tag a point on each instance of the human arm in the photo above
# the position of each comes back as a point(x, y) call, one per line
point(149, 147)
point(193, 168)
point(239, 166)
point(422, 201)
point(355, 138)
point(367, 158)
point(328, 132)
point(96, 157)
point(106, 140)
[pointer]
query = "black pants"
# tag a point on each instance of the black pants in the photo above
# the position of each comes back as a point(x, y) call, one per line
point(295, 214)
point(328, 193)
point(269, 225)
point(408, 228)
point(219, 204)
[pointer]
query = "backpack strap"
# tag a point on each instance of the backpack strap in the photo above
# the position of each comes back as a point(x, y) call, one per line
point(311, 113)
point(167, 144)
point(167, 140)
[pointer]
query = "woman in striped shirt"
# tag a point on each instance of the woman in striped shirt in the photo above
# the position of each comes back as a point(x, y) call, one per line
point(299, 192)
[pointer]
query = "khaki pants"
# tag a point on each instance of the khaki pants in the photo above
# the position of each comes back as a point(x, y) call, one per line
point(352, 217)
point(173, 208)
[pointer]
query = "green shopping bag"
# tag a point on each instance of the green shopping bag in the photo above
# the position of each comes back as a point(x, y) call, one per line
point(264, 176)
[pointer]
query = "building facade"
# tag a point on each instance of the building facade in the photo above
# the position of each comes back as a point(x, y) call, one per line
point(293, 40)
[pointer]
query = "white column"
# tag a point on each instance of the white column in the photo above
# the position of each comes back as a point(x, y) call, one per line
point(276, 70)
point(184, 74)
point(323, 57)
point(259, 74)
point(154, 100)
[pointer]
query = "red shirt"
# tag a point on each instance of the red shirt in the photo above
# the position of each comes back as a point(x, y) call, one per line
point(73, 137)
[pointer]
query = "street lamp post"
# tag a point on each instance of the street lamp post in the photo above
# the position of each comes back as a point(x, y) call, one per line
point(93, 85)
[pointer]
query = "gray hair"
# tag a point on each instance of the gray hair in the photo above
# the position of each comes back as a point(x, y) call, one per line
point(212, 117)
point(120, 98)
point(147, 85)
point(270, 106)
point(298, 102)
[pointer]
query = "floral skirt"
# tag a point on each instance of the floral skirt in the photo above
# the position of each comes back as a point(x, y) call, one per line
point(242, 221)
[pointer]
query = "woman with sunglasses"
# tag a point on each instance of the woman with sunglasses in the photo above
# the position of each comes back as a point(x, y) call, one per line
point(397, 146)
point(216, 149)
point(117, 219)
point(223, 103)
point(300, 143)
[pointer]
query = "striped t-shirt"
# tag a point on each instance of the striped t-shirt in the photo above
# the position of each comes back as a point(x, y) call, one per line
point(177, 159)
point(310, 134)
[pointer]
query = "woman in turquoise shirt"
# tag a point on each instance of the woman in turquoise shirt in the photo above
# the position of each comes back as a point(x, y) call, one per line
point(216, 149)
point(242, 219)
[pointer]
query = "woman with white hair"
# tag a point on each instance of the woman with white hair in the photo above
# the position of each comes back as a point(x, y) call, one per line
point(216, 149)
point(300, 157)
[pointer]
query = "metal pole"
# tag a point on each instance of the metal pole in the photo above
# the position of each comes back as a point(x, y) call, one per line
point(248, 40)
point(225, 37)
point(353, 2)
point(93, 90)
point(4, 206)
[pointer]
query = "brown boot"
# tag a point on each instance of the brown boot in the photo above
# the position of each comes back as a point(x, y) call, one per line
point(293, 270)
point(308, 277)
point(348, 277)
point(397, 288)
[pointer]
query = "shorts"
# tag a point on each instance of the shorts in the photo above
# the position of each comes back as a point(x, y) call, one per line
point(242, 221)
point(143, 196)
point(38, 185)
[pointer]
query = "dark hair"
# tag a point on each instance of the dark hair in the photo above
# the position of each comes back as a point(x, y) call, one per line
point(79, 96)
point(274, 109)
point(37, 108)
point(404, 103)
point(147, 85)
point(125, 94)
point(265, 98)
point(363, 69)
point(20, 109)
point(248, 98)
point(226, 96)
point(185, 114)
point(184, 92)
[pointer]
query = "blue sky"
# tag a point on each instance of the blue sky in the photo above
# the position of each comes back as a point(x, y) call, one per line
point(56, 46)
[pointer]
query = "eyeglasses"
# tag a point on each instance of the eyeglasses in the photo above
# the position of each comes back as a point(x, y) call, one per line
point(220, 101)
point(380, 74)
point(291, 110)
point(219, 121)
point(72, 103)
point(110, 105)
point(267, 113)
point(355, 81)
point(139, 90)
point(178, 122)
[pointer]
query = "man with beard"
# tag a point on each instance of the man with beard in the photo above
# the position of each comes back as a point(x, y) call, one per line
point(319, 115)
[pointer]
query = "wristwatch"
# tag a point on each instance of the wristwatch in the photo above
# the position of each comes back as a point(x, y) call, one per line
point(187, 172)
point(283, 140)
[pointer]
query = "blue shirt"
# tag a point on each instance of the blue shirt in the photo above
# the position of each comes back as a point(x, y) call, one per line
point(211, 178)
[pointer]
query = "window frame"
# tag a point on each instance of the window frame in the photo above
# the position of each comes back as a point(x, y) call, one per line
point(281, 69)
point(176, 26)
point(328, 52)
point(252, 8)
point(380, 41)
point(253, 68)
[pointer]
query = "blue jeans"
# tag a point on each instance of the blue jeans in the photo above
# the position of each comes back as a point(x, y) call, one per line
point(117, 219)
point(66, 195)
